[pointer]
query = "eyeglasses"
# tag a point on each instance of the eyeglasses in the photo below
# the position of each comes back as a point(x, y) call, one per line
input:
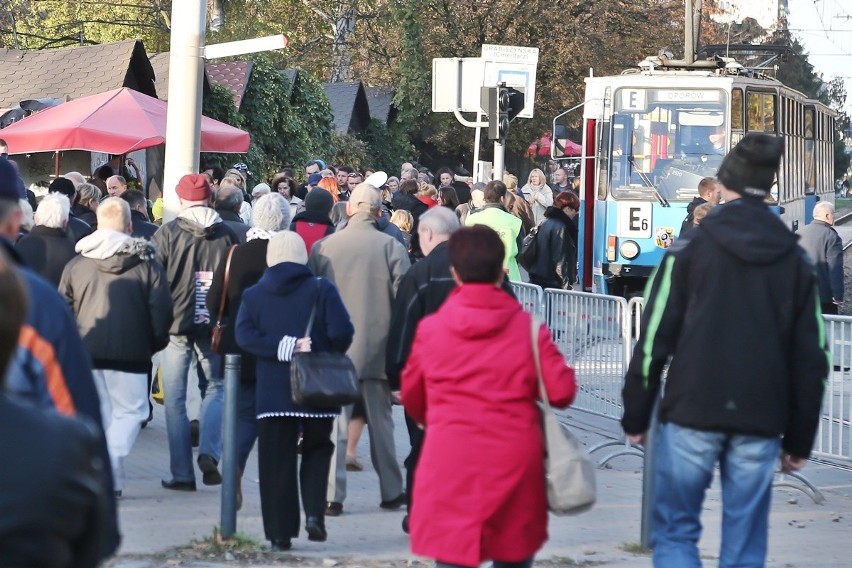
point(354, 175)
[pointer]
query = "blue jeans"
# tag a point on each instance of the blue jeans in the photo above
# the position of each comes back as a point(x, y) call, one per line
point(175, 362)
point(683, 470)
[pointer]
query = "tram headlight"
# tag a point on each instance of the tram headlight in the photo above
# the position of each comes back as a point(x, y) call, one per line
point(629, 250)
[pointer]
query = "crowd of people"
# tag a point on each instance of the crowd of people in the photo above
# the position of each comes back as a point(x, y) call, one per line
point(389, 271)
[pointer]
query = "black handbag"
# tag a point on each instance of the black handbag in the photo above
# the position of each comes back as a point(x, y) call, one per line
point(322, 378)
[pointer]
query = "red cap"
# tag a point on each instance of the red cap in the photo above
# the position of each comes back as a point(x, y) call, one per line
point(193, 187)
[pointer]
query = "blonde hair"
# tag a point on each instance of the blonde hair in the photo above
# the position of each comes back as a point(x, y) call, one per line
point(114, 213)
point(511, 181)
point(403, 219)
point(86, 192)
point(427, 190)
point(700, 212)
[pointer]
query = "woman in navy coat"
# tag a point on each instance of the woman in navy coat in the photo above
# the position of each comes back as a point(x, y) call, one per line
point(271, 323)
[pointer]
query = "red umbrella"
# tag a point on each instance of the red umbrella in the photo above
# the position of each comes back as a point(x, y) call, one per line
point(115, 122)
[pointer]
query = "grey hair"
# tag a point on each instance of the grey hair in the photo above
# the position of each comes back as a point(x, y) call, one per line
point(53, 211)
point(76, 178)
point(410, 173)
point(823, 208)
point(440, 220)
point(27, 219)
point(271, 212)
point(114, 213)
point(229, 197)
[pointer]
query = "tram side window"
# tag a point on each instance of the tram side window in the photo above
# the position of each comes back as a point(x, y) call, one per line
point(737, 109)
point(761, 112)
point(810, 154)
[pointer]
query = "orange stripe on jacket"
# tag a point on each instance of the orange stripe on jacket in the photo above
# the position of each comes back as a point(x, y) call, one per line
point(43, 351)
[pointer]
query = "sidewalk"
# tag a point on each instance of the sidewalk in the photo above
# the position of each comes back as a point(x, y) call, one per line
point(154, 520)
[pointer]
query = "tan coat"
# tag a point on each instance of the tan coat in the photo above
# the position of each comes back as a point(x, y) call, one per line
point(366, 265)
point(520, 209)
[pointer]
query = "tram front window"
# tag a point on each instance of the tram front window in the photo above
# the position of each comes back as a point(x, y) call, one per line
point(664, 141)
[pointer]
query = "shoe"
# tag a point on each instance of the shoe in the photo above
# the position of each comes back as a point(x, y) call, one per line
point(194, 427)
point(352, 464)
point(405, 524)
point(316, 532)
point(333, 509)
point(178, 485)
point(393, 504)
point(208, 466)
point(281, 544)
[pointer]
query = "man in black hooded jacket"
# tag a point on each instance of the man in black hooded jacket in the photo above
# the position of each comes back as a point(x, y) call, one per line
point(734, 309)
point(709, 191)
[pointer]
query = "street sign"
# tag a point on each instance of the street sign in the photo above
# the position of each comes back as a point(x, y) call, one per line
point(515, 66)
point(448, 75)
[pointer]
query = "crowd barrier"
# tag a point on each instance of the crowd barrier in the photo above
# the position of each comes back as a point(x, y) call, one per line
point(596, 333)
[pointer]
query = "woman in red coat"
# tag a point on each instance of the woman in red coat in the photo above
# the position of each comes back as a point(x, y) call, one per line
point(480, 491)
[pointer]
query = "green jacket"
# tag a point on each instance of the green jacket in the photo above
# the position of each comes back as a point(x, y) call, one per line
point(508, 227)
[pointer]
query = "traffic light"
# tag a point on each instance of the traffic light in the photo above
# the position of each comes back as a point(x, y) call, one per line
point(501, 105)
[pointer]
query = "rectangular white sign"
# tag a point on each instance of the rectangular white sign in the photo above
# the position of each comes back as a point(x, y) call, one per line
point(515, 66)
point(447, 77)
point(634, 219)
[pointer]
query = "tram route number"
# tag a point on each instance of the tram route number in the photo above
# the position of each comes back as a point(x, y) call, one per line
point(634, 220)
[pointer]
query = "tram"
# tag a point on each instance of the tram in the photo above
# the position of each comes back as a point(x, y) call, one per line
point(652, 133)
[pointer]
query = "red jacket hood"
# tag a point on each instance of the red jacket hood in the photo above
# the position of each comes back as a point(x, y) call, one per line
point(479, 310)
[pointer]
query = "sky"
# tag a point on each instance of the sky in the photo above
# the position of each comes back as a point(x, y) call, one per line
point(824, 27)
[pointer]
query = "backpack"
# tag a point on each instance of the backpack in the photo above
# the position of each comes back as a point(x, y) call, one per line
point(529, 249)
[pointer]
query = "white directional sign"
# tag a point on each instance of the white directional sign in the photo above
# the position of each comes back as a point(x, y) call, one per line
point(449, 74)
point(515, 66)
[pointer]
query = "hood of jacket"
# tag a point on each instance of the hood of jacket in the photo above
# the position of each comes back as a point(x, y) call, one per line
point(285, 278)
point(557, 214)
point(113, 251)
point(479, 311)
point(198, 221)
point(747, 229)
point(696, 201)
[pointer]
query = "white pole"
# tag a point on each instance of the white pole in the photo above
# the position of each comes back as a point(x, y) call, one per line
point(476, 141)
point(499, 153)
point(183, 121)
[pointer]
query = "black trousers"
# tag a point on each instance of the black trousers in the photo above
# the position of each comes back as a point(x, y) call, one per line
point(416, 436)
point(281, 477)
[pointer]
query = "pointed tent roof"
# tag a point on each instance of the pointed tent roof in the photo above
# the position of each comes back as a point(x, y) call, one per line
point(160, 63)
point(381, 103)
point(291, 75)
point(233, 75)
point(349, 105)
point(73, 72)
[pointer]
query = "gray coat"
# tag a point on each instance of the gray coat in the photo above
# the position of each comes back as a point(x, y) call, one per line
point(825, 248)
point(366, 265)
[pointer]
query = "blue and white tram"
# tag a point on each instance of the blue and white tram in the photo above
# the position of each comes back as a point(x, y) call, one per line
point(651, 134)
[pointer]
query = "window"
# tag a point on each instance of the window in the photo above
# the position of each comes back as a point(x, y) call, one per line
point(761, 112)
point(737, 109)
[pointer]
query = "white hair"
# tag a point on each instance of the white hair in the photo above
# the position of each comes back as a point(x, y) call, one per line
point(114, 213)
point(53, 211)
point(271, 212)
point(76, 178)
point(440, 220)
point(822, 209)
point(27, 219)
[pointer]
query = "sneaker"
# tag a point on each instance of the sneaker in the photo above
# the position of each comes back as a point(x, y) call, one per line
point(209, 467)
point(333, 509)
point(178, 485)
point(281, 544)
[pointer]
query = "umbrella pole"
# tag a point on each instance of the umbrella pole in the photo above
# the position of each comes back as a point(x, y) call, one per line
point(56, 164)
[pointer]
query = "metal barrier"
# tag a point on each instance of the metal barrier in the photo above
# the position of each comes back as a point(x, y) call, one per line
point(531, 297)
point(834, 437)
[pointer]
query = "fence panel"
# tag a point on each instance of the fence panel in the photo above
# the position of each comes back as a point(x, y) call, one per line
point(589, 330)
point(834, 437)
point(530, 296)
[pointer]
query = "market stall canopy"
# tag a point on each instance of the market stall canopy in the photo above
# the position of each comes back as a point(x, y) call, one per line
point(565, 147)
point(114, 122)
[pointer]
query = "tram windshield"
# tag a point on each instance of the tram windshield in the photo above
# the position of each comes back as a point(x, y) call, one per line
point(664, 141)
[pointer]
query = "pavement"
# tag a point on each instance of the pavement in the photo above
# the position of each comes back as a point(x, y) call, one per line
point(155, 522)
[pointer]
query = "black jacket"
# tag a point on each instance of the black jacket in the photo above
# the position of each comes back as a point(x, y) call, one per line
point(142, 228)
point(121, 301)
point(735, 306)
point(190, 252)
point(235, 223)
point(687, 224)
point(86, 215)
point(46, 251)
point(77, 228)
point(247, 265)
point(54, 510)
point(422, 290)
point(556, 258)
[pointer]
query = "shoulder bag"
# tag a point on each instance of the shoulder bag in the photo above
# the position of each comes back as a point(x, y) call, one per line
point(569, 472)
point(324, 378)
point(219, 328)
point(529, 249)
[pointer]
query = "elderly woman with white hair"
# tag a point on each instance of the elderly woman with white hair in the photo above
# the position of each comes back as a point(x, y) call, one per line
point(46, 249)
point(270, 216)
point(270, 325)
